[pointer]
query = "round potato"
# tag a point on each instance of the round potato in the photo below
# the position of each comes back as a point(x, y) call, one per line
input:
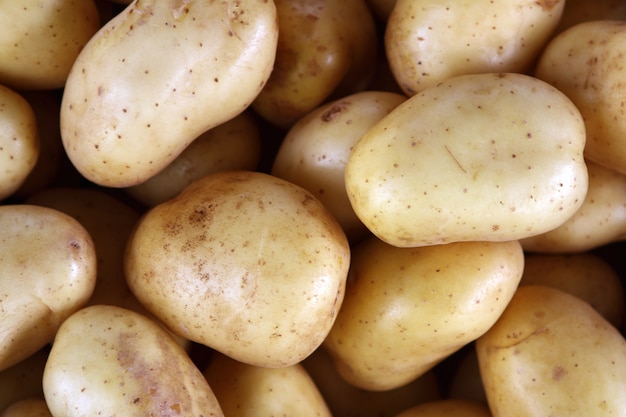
point(485, 157)
point(243, 262)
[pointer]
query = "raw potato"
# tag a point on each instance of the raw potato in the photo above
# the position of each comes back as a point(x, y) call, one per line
point(476, 158)
point(127, 112)
point(110, 361)
point(248, 264)
point(235, 144)
point(19, 141)
point(406, 309)
point(23, 380)
point(315, 150)
point(48, 262)
point(600, 220)
point(450, 407)
point(587, 62)
point(247, 390)
point(32, 407)
point(579, 11)
point(39, 40)
point(428, 41)
point(551, 353)
point(320, 54)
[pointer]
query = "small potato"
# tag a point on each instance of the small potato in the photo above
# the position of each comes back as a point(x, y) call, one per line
point(48, 264)
point(486, 157)
point(110, 361)
point(248, 390)
point(235, 144)
point(315, 150)
point(599, 221)
point(585, 275)
point(407, 309)
point(19, 141)
point(243, 262)
point(551, 353)
point(32, 407)
point(23, 380)
point(429, 41)
point(39, 40)
point(587, 62)
point(450, 407)
point(127, 112)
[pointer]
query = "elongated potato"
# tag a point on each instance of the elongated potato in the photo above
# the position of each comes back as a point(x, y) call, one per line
point(127, 112)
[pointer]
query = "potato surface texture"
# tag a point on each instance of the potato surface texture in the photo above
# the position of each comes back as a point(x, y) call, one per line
point(552, 354)
point(158, 75)
point(485, 157)
point(109, 361)
point(243, 262)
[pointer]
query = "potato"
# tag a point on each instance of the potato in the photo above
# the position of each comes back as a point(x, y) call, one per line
point(235, 144)
point(587, 62)
point(407, 309)
point(320, 53)
point(599, 221)
point(316, 148)
point(429, 41)
point(243, 262)
point(551, 353)
point(19, 141)
point(450, 407)
point(107, 360)
point(585, 275)
point(48, 262)
point(39, 41)
point(476, 158)
point(127, 113)
point(248, 390)
point(23, 380)
point(32, 407)
point(578, 11)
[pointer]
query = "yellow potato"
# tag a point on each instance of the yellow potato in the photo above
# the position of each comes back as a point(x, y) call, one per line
point(600, 220)
point(48, 265)
point(110, 361)
point(127, 112)
point(316, 149)
point(551, 353)
point(248, 390)
point(39, 40)
point(235, 144)
point(450, 407)
point(578, 11)
point(429, 41)
point(19, 141)
point(407, 309)
point(32, 407)
point(584, 275)
point(476, 158)
point(23, 380)
point(243, 262)
point(587, 62)
point(320, 53)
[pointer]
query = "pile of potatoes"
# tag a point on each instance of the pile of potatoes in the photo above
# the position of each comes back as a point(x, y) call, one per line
point(399, 208)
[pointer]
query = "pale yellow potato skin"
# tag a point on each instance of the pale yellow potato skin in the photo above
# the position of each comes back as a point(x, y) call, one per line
point(243, 262)
point(551, 353)
point(449, 407)
point(599, 221)
point(235, 144)
point(19, 141)
point(127, 112)
point(587, 62)
point(107, 360)
point(32, 407)
point(39, 40)
point(428, 41)
point(407, 309)
point(480, 157)
point(48, 264)
point(245, 390)
point(315, 150)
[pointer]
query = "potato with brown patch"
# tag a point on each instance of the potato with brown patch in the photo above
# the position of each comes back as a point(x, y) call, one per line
point(243, 262)
point(107, 360)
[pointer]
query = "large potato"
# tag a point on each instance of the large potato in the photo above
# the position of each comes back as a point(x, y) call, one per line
point(428, 41)
point(127, 112)
point(552, 354)
point(243, 262)
point(486, 157)
point(110, 361)
point(407, 309)
point(48, 264)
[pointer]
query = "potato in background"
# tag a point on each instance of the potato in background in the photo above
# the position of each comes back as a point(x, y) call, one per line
point(23, 380)
point(449, 407)
point(32, 407)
